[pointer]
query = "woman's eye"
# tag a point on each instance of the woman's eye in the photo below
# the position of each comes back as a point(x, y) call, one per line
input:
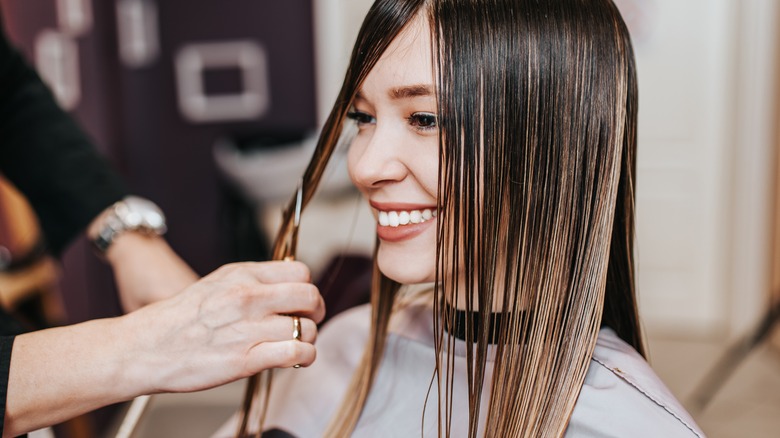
point(424, 121)
point(361, 118)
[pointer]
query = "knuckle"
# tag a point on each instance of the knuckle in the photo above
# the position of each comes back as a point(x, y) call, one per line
point(311, 296)
point(245, 295)
point(300, 271)
point(267, 271)
point(240, 295)
point(294, 351)
point(227, 269)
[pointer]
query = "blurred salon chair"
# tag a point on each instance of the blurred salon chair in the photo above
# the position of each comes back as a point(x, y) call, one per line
point(28, 277)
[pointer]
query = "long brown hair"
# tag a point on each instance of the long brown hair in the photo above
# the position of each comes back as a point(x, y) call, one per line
point(537, 109)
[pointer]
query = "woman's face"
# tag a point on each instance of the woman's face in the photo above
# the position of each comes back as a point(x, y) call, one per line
point(394, 158)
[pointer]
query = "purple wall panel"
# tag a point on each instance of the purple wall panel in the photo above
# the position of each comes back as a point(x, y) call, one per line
point(133, 111)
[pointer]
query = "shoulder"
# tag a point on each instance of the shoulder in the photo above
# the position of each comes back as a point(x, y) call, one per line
point(347, 329)
point(622, 396)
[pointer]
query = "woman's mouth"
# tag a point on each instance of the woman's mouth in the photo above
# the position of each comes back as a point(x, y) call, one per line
point(399, 222)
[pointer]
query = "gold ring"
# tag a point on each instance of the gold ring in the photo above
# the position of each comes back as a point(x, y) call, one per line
point(296, 333)
point(296, 328)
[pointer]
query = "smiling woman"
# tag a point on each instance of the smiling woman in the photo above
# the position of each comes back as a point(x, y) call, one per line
point(394, 159)
point(496, 144)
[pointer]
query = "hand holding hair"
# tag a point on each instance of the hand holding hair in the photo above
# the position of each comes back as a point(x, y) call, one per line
point(231, 324)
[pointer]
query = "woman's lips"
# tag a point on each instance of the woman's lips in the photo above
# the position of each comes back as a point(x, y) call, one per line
point(402, 221)
point(403, 232)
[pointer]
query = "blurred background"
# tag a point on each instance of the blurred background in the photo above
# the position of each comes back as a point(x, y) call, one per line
point(211, 110)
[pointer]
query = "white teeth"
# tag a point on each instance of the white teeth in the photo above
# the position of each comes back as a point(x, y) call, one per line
point(403, 218)
point(398, 218)
point(393, 218)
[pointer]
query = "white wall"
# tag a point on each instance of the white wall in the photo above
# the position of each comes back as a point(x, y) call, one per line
point(705, 161)
point(754, 154)
point(336, 24)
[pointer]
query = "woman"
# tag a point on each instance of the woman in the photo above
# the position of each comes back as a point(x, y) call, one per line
point(496, 146)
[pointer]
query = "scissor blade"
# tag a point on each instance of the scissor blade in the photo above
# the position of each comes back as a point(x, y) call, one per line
point(296, 221)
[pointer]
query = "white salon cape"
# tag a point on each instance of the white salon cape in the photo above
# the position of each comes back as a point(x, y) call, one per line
point(621, 397)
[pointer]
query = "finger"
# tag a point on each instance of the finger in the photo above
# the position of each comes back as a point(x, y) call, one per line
point(266, 272)
point(282, 354)
point(280, 328)
point(277, 271)
point(301, 299)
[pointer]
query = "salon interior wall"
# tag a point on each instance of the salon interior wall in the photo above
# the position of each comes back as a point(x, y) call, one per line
point(707, 78)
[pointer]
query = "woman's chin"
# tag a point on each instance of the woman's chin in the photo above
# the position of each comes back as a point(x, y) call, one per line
point(405, 274)
point(408, 262)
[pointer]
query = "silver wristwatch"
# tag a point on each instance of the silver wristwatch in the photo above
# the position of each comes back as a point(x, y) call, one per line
point(130, 214)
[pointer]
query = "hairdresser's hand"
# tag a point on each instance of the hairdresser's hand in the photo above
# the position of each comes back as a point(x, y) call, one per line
point(146, 270)
point(229, 325)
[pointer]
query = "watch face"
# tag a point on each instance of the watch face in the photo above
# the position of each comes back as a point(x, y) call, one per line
point(155, 220)
point(133, 219)
point(138, 213)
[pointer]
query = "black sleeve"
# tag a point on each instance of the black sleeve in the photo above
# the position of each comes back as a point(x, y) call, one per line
point(6, 344)
point(9, 328)
point(47, 156)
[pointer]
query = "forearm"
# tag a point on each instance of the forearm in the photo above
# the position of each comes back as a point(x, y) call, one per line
point(146, 269)
point(59, 373)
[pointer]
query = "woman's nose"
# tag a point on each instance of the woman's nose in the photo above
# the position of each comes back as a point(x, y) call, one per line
point(375, 158)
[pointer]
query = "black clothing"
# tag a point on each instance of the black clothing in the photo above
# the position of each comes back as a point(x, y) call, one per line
point(8, 329)
point(6, 344)
point(51, 161)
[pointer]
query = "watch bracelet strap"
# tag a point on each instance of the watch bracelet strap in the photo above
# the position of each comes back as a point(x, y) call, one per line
point(112, 228)
point(104, 239)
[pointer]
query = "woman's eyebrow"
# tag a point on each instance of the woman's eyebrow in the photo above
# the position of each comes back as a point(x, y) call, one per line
point(408, 91)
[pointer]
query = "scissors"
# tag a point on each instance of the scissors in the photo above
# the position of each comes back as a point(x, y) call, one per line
point(292, 244)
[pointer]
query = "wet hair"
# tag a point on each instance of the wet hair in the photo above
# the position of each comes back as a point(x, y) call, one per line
point(537, 104)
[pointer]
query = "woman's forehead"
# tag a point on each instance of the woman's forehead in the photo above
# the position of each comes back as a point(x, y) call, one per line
point(405, 69)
